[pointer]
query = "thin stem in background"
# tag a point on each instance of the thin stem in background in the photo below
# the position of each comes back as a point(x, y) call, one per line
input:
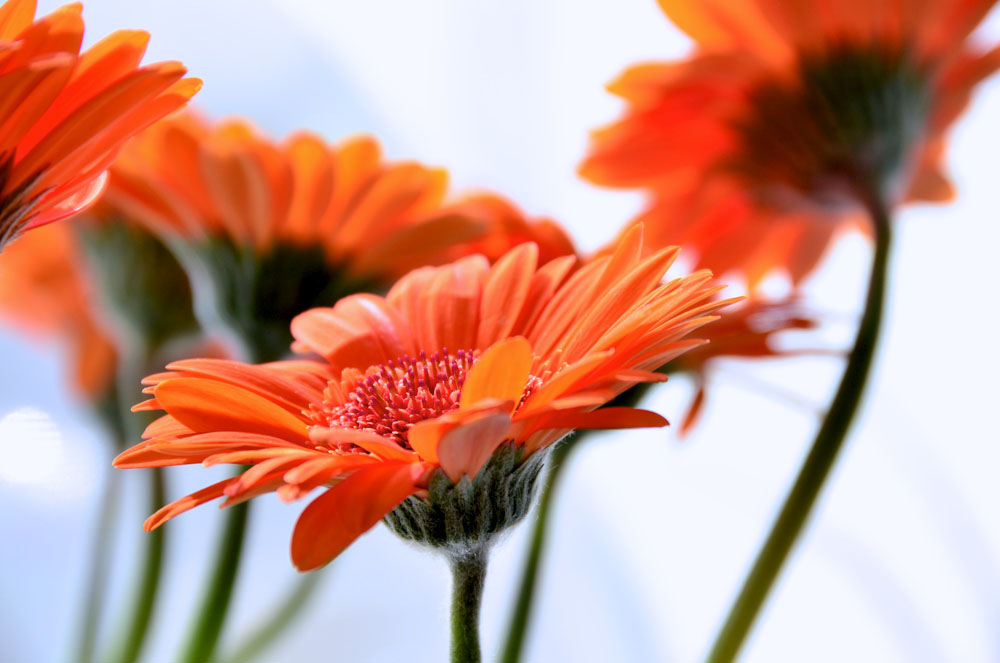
point(266, 634)
point(516, 632)
point(211, 616)
point(97, 574)
point(141, 613)
point(816, 468)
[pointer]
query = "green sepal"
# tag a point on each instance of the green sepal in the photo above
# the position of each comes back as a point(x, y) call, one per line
point(256, 294)
point(142, 286)
point(472, 514)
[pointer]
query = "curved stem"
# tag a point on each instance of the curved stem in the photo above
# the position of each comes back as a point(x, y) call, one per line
point(514, 644)
point(829, 440)
point(290, 608)
point(210, 619)
point(468, 577)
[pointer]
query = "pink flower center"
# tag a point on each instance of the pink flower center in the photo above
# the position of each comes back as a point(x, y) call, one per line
point(396, 395)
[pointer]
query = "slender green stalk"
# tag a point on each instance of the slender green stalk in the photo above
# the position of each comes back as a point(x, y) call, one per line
point(210, 618)
point(829, 440)
point(267, 633)
point(468, 573)
point(514, 644)
point(97, 575)
point(141, 613)
point(208, 623)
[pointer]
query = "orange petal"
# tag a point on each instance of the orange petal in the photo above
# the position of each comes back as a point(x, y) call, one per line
point(208, 406)
point(425, 436)
point(465, 448)
point(15, 16)
point(186, 503)
point(360, 331)
point(505, 292)
point(501, 372)
point(346, 511)
point(370, 442)
point(608, 417)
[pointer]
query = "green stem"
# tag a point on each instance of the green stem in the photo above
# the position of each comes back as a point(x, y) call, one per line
point(141, 612)
point(211, 617)
point(138, 616)
point(830, 438)
point(266, 634)
point(468, 572)
point(97, 575)
point(204, 635)
point(514, 644)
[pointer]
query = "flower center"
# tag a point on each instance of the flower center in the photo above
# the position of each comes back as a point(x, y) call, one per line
point(853, 117)
point(396, 395)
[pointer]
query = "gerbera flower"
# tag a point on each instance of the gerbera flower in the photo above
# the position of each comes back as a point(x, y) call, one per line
point(767, 143)
point(65, 114)
point(46, 289)
point(330, 220)
point(418, 390)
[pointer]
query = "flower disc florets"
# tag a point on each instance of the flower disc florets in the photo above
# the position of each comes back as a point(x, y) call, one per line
point(394, 396)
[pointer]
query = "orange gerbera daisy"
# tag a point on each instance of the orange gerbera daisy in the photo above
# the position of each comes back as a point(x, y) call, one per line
point(419, 390)
point(760, 148)
point(331, 220)
point(65, 114)
point(46, 289)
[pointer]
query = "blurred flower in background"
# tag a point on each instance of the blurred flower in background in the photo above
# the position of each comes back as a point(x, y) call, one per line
point(765, 145)
point(268, 230)
point(48, 291)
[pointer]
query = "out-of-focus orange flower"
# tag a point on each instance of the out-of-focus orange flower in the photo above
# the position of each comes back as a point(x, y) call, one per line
point(46, 289)
point(762, 146)
point(372, 218)
point(424, 385)
point(331, 220)
point(64, 115)
point(747, 331)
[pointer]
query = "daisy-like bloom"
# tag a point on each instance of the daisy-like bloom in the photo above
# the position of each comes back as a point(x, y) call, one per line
point(330, 220)
point(433, 405)
point(46, 289)
point(766, 143)
point(64, 114)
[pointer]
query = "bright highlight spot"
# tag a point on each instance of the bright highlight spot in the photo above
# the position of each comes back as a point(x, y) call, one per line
point(31, 447)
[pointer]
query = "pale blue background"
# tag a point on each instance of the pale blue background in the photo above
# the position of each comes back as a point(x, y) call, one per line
point(652, 535)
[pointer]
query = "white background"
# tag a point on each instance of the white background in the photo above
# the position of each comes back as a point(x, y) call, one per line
point(652, 535)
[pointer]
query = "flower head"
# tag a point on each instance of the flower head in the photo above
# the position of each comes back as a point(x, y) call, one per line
point(65, 114)
point(332, 220)
point(419, 390)
point(765, 144)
